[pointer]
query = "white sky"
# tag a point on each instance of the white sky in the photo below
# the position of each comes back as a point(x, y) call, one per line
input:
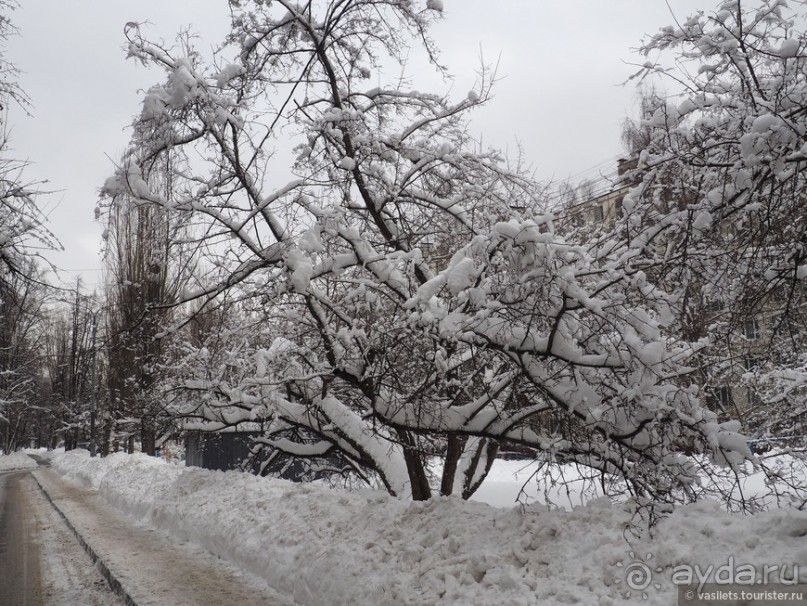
point(561, 63)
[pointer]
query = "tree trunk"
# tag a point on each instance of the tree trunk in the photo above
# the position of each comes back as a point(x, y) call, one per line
point(453, 454)
point(106, 436)
point(148, 438)
point(421, 491)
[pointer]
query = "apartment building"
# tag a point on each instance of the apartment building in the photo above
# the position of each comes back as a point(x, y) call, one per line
point(743, 338)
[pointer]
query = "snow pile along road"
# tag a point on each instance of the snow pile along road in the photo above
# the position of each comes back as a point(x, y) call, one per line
point(16, 460)
point(328, 546)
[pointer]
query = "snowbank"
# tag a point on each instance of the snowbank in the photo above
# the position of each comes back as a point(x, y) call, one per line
point(16, 460)
point(327, 546)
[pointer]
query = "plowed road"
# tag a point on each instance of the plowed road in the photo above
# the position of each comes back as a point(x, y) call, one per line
point(20, 575)
point(41, 562)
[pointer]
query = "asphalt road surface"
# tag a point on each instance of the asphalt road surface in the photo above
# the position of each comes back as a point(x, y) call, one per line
point(41, 562)
point(20, 572)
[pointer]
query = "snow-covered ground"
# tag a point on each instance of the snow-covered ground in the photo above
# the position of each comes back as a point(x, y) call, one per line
point(328, 546)
point(16, 460)
point(512, 482)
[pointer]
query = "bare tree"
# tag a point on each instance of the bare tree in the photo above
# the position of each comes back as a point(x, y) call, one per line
point(69, 351)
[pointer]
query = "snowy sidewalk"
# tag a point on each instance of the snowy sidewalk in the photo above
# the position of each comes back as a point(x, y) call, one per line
point(150, 567)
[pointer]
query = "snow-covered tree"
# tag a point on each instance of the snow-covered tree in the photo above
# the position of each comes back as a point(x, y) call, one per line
point(21, 312)
point(408, 312)
point(23, 233)
point(23, 237)
point(147, 265)
point(721, 209)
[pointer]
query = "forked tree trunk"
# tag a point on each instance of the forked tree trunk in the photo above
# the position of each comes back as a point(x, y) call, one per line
point(469, 485)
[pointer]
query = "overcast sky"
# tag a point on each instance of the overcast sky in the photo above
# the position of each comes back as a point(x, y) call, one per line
point(561, 63)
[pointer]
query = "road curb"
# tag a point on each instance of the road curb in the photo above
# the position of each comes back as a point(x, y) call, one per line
point(108, 575)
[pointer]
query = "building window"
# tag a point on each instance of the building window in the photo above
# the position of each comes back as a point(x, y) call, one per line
point(599, 215)
point(751, 328)
point(722, 396)
point(751, 363)
point(754, 399)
